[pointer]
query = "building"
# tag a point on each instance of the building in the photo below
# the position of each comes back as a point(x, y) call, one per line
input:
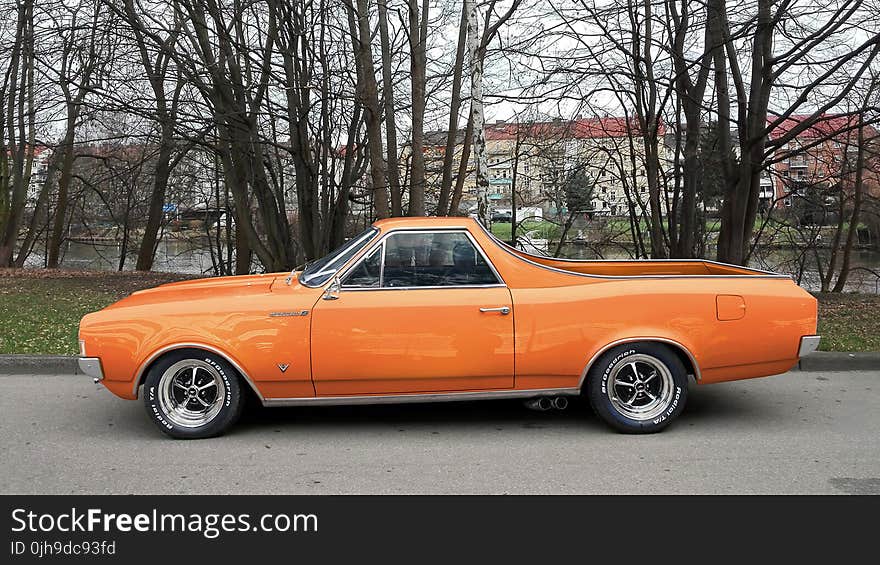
point(537, 159)
point(39, 171)
point(822, 156)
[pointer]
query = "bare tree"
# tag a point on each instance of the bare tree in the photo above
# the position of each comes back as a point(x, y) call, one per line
point(477, 45)
point(17, 135)
point(443, 207)
point(390, 109)
point(418, 31)
point(368, 94)
point(782, 48)
point(155, 53)
point(83, 51)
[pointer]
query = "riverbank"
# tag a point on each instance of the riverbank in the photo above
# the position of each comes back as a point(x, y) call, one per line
point(40, 309)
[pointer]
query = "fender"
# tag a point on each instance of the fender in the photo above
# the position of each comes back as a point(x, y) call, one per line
point(667, 341)
point(192, 345)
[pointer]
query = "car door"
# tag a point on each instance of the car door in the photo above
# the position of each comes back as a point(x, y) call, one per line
point(423, 311)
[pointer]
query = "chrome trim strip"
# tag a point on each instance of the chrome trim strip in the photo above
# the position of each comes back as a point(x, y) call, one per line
point(524, 256)
point(596, 355)
point(419, 397)
point(91, 366)
point(212, 349)
point(344, 272)
point(809, 344)
point(381, 266)
point(449, 287)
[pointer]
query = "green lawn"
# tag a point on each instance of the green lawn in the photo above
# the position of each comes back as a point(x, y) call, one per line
point(849, 322)
point(546, 230)
point(40, 310)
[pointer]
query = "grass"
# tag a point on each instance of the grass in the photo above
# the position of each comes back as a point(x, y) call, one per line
point(545, 230)
point(849, 322)
point(40, 310)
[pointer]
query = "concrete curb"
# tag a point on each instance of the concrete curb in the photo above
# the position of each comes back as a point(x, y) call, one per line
point(840, 361)
point(38, 365)
point(829, 361)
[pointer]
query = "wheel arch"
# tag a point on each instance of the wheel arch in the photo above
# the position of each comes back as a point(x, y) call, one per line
point(687, 358)
point(154, 357)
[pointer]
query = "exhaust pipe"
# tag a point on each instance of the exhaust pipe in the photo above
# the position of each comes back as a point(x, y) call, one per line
point(541, 403)
point(560, 403)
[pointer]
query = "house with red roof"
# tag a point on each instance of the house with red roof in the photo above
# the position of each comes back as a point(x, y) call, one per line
point(536, 158)
point(820, 155)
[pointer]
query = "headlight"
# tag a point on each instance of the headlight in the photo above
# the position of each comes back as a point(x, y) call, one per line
point(82, 348)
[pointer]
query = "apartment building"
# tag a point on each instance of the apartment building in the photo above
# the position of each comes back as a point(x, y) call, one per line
point(822, 155)
point(537, 159)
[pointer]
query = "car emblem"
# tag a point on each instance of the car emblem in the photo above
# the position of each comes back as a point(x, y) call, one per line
point(283, 366)
point(288, 314)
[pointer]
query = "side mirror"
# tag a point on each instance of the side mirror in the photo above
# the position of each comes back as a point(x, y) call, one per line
point(332, 291)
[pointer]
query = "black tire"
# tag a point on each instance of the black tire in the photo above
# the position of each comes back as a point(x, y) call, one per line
point(651, 408)
point(178, 407)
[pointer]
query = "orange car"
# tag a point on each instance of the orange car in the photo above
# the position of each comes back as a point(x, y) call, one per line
point(437, 309)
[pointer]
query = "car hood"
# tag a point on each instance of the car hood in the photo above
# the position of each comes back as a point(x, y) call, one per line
point(203, 288)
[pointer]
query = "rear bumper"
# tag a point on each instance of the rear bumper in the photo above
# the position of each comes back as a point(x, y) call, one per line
point(91, 366)
point(809, 344)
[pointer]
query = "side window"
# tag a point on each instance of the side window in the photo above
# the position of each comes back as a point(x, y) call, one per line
point(366, 274)
point(434, 259)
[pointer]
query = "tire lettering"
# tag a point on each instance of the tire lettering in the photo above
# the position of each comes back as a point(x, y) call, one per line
point(228, 400)
point(157, 413)
point(671, 408)
point(607, 372)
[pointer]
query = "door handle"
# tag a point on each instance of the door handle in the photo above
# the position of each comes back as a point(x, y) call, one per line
point(505, 310)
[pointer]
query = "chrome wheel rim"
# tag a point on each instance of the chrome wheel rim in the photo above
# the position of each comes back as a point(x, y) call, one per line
point(640, 387)
point(191, 393)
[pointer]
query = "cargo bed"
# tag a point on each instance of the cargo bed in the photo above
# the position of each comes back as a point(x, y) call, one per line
point(643, 268)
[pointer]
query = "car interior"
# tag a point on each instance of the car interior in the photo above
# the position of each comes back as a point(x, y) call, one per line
point(421, 260)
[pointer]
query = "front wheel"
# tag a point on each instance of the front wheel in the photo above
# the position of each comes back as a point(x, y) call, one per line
point(638, 387)
point(192, 394)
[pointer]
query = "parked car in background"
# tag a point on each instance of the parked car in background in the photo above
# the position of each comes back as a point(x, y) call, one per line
point(438, 309)
point(501, 216)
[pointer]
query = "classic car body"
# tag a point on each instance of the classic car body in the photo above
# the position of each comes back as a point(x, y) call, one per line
point(427, 309)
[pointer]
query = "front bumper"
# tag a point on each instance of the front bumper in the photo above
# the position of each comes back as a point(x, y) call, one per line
point(809, 344)
point(91, 366)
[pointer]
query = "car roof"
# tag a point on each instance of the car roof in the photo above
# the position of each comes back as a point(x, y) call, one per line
point(426, 222)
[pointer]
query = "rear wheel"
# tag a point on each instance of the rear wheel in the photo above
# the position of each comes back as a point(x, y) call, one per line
point(638, 387)
point(193, 394)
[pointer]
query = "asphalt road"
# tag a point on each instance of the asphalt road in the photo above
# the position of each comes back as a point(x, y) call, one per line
point(795, 433)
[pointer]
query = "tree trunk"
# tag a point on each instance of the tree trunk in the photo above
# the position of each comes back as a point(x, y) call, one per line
point(858, 189)
point(369, 96)
point(418, 29)
point(648, 121)
point(58, 222)
point(390, 120)
point(740, 207)
point(477, 116)
point(166, 119)
point(147, 250)
point(690, 97)
point(443, 207)
point(20, 117)
point(455, 200)
point(513, 182)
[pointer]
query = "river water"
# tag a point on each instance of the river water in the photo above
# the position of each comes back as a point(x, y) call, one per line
point(192, 256)
point(189, 256)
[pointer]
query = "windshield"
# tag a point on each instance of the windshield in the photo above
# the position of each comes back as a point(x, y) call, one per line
point(320, 271)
